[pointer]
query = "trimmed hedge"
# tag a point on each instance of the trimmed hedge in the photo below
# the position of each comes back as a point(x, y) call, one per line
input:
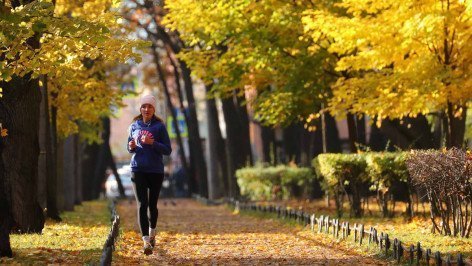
point(273, 182)
point(355, 175)
point(342, 174)
point(390, 180)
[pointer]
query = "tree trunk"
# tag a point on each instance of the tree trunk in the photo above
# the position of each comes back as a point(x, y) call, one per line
point(19, 112)
point(6, 221)
point(90, 157)
point(292, 144)
point(46, 166)
point(455, 126)
point(237, 140)
point(192, 175)
point(5, 195)
point(103, 160)
point(52, 179)
point(60, 174)
point(44, 143)
point(333, 143)
point(195, 142)
point(69, 173)
point(356, 129)
point(216, 168)
point(78, 170)
point(361, 130)
point(111, 163)
point(269, 145)
point(100, 168)
point(352, 129)
point(377, 141)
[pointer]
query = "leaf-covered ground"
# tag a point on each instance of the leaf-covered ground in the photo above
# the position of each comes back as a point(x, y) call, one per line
point(192, 233)
point(78, 239)
point(409, 231)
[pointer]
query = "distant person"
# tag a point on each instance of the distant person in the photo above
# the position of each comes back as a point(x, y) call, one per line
point(148, 140)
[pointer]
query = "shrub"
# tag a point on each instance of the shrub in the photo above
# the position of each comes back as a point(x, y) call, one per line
point(342, 174)
point(390, 180)
point(446, 177)
point(273, 182)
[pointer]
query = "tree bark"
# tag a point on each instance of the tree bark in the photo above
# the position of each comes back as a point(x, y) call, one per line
point(111, 163)
point(269, 145)
point(100, 168)
point(6, 220)
point(292, 145)
point(53, 200)
point(356, 130)
point(352, 130)
point(377, 141)
point(103, 160)
point(78, 170)
point(238, 144)
point(60, 174)
point(216, 159)
point(192, 174)
point(90, 157)
point(195, 142)
point(455, 126)
point(19, 112)
point(69, 172)
point(47, 162)
point(44, 143)
point(333, 143)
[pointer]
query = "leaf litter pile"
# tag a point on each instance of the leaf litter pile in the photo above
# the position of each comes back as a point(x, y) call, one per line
point(192, 233)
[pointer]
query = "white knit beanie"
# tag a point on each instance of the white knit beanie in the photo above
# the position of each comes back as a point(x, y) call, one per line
point(148, 99)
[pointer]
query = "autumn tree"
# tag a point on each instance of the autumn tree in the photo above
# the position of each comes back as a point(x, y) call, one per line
point(145, 17)
point(412, 58)
point(247, 46)
point(40, 38)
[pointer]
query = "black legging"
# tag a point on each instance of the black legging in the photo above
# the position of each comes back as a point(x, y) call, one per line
point(142, 183)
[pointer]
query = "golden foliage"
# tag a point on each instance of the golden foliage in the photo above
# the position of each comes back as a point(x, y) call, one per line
point(80, 43)
point(407, 57)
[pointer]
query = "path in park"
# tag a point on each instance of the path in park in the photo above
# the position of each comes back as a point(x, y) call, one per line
point(192, 233)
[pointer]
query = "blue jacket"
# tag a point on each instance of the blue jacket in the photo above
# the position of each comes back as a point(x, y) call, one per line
point(148, 158)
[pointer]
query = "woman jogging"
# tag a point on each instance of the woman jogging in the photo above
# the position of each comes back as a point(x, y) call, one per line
point(148, 140)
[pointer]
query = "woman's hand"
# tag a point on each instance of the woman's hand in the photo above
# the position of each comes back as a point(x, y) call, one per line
point(147, 139)
point(132, 145)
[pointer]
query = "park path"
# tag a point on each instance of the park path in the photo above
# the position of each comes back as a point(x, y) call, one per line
point(192, 233)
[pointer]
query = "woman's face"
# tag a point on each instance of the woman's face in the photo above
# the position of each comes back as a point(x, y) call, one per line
point(147, 111)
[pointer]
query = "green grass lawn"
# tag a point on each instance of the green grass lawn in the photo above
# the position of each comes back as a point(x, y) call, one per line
point(78, 239)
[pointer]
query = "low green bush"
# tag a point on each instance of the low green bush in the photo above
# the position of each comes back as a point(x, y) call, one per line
point(342, 174)
point(262, 182)
point(389, 179)
point(356, 175)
